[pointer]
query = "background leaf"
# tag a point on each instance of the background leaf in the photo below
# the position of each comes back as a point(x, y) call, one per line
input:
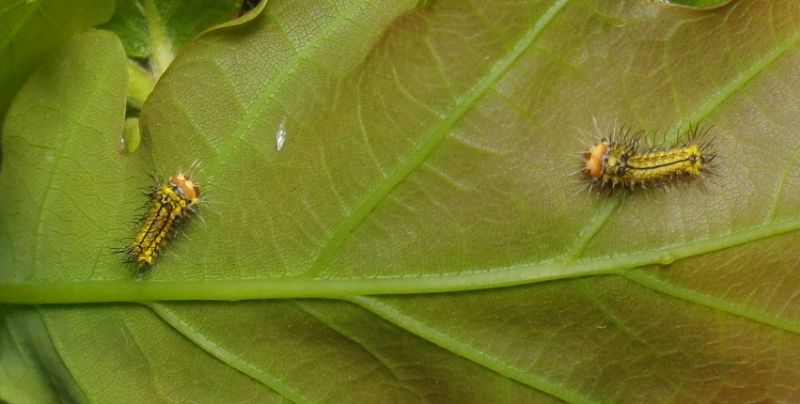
point(31, 30)
point(427, 149)
point(158, 29)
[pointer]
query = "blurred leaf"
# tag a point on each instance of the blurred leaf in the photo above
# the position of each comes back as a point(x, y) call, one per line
point(426, 150)
point(21, 378)
point(158, 29)
point(31, 30)
point(140, 84)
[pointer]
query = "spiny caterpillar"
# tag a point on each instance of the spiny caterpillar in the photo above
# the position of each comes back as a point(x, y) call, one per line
point(172, 202)
point(618, 162)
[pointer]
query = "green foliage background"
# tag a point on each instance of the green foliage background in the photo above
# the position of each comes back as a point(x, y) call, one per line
point(421, 235)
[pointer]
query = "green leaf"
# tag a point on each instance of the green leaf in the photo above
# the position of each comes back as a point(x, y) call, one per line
point(31, 30)
point(21, 378)
point(156, 30)
point(425, 149)
point(64, 183)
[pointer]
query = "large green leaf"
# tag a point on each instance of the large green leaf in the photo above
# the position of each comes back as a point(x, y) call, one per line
point(30, 30)
point(427, 149)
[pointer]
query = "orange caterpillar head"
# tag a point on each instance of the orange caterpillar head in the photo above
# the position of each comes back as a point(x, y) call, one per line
point(604, 160)
point(185, 188)
point(606, 163)
point(595, 160)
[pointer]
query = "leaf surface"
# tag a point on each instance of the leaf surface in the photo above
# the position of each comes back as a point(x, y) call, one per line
point(426, 149)
point(31, 30)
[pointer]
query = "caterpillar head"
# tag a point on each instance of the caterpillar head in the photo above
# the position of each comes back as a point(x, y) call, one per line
point(185, 188)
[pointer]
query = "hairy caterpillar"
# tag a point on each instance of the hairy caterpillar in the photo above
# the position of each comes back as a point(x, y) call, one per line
point(619, 162)
point(171, 203)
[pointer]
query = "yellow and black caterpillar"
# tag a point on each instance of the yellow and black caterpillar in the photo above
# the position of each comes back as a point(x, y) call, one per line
point(171, 203)
point(618, 162)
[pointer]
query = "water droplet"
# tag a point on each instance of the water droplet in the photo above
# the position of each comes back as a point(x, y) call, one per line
point(131, 136)
point(280, 135)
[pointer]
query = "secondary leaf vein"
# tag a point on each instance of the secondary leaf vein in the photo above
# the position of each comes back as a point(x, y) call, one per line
point(226, 357)
point(432, 140)
point(464, 350)
point(713, 302)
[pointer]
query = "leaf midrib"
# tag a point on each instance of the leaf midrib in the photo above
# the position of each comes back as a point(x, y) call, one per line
point(125, 289)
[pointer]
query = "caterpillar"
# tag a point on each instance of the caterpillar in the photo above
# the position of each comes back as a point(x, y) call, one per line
point(618, 162)
point(171, 203)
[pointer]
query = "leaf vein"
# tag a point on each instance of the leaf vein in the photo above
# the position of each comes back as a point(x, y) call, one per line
point(225, 356)
point(371, 352)
point(433, 139)
point(706, 300)
point(464, 350)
